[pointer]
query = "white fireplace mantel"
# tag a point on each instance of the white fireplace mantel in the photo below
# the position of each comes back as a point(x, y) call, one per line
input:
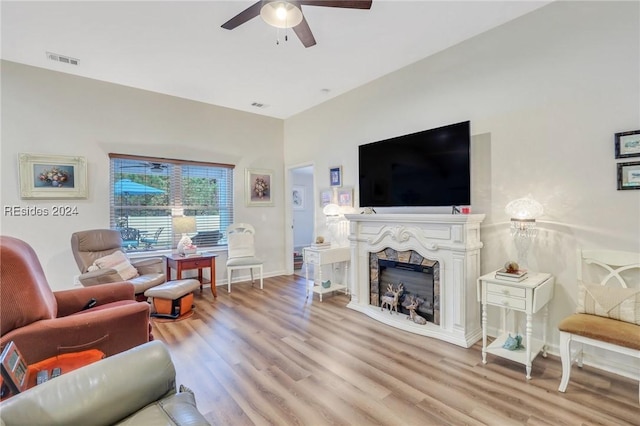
point(452, 240)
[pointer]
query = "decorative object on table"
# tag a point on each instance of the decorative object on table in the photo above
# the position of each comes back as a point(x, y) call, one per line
point(259, 185)
point(627, 144)
point(319, 239)
point(326, 284)
point(52, 176)
point(523, 213)
point(390, 298)
point(184, 225)
point(511, 272)
point(629, 175)
point(335, 176)
point(513, 343)
point(297, 197)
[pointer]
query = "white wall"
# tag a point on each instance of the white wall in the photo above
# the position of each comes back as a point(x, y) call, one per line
point(53, 113)
point(545, 95)
point(303, 218)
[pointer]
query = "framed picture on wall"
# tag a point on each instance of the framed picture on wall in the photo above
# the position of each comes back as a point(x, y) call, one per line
point(297, 197)
point(627, 144)
point(52, 176)
point(335, 176)
point(629, 175)
point(345, 197)
point(258, 191)
point(325, 197)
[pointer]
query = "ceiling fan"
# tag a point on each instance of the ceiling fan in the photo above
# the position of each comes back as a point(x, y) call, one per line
point(153, 167)
point(288, 14)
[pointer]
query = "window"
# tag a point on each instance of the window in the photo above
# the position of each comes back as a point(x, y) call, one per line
point(147, 192)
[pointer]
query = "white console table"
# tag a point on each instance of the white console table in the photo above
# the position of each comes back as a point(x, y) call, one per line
point(528, 296)
point(325, 256)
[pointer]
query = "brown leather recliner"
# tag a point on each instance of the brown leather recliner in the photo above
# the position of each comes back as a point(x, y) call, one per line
point(88, 246)
point(43, 323)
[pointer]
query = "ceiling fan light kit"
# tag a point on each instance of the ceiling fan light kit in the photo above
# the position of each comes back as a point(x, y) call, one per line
point(288, 14)
point(281, 14)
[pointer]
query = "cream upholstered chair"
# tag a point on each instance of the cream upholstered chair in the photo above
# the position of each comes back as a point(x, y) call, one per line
point(241, 253)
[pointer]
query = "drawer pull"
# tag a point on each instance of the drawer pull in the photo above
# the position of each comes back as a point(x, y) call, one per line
point(505, 291)
point(505, 302)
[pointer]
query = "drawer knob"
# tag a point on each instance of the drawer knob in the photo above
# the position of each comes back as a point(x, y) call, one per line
point(505, 302)
point(505, 291)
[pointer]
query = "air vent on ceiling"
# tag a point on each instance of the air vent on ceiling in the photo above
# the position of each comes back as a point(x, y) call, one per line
point(259, 105)
point(62, 58)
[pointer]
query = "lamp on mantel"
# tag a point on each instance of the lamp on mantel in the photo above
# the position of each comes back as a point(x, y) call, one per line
point(281, 14)
point(184, 225)
point(523, 213)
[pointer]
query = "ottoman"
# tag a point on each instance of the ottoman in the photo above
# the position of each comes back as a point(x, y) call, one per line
point(173, 298)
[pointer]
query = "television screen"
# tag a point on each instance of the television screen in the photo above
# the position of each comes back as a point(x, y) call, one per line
point(428, 168)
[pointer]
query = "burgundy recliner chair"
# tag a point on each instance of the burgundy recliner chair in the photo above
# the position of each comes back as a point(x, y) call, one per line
point(43, 323)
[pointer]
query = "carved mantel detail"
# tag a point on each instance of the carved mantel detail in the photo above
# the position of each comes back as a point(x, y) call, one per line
point(451, 240)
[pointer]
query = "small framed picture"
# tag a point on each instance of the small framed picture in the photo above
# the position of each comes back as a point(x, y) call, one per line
point(297, 197)
point(258, 187)
point(326, 195)
point(627, 144)
point(52, 176)
point(345, 197)
point(335, 176)
point(629, 175)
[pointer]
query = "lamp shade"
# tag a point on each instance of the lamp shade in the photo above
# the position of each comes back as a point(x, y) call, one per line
point(524, 209)
point(331, 210)
point(281, 14)
point(184, 224)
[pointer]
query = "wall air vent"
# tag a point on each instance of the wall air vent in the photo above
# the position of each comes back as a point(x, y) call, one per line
point(259, 105)
point(62, 58)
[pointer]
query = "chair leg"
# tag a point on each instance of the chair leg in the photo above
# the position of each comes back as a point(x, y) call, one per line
point(565, 356)
point(251, 272)
point(261, 283)
point(229, 280)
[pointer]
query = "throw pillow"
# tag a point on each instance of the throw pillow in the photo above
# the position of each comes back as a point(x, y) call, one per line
point(618, 303)
point(118, 261)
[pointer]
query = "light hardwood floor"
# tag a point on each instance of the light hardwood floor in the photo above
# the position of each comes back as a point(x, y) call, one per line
point(257, 357)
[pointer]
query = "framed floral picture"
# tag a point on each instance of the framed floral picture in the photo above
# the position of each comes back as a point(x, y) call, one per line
point(52, 176)
point(258, 191)
point(297, 197)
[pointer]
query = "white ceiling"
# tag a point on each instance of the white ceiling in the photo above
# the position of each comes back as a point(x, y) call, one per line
point(178, 47)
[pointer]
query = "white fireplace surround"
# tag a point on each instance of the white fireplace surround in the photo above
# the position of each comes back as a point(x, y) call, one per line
point(452, 240)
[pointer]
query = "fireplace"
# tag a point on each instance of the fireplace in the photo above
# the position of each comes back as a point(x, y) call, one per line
point(419, 277)
point(439, 257)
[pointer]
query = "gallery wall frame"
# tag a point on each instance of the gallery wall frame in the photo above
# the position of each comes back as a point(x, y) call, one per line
point(258, 187)
point(326, 196)
point(627, 144)
point(297, 197)
point(345, 196)
point(335, 176)
point(46, 176)
point(629, 175)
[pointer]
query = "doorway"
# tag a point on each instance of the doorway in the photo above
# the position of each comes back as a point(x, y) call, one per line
point(302, 214)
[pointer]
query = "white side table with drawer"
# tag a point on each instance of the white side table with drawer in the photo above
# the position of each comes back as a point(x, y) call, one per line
point(528, 296)
point(326, 256)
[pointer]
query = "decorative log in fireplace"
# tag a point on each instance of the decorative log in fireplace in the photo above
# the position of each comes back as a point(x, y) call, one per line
point(448, 244)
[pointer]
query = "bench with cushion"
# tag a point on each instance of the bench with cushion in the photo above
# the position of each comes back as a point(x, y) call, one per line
point(608, 312)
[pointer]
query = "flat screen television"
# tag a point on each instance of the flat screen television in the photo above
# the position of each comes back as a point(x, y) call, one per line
point(423, 169)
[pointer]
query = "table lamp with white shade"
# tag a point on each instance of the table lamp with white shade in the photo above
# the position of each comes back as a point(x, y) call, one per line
point(184, 225)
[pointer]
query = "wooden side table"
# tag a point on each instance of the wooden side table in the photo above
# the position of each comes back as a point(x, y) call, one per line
point(527, 296)
point(199, 261)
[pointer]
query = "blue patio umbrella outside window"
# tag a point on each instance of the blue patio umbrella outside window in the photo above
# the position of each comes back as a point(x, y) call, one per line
point(128, 187)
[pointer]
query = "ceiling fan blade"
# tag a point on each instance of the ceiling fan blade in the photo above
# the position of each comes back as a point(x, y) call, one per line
point(348, 4)
point(242, 17)
point(303, 32)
